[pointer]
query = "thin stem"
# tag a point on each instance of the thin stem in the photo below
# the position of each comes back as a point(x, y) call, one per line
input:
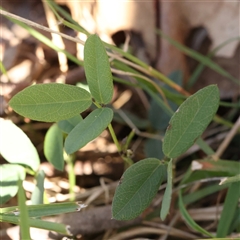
point(36, 25)
point(114, 138)
point(142, 66)
point(97, 104)
point(222, 121)
point(127, 160)
point(145, 79)
point(129, 139)
point(71, 176)
point(227, 140)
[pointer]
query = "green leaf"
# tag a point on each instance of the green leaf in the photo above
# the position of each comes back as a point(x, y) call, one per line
point(51, 102)
point(67, 125)
point(37, 195)
point(88, 129)
point(24, 219)
point(10, 174)
point(53, 147)
point(137, 187)
point(97, 70)
point(202, 193)
point(17, 147)
point(190, 120)
point(166, 202)
point(229, 208)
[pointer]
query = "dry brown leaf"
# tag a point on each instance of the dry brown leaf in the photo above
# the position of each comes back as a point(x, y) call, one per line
point(219, 18)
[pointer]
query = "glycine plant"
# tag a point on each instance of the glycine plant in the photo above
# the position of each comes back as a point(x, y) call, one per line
point(63, 103)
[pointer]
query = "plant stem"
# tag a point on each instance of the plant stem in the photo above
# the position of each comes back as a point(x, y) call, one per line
point(119, 148)
point(129, 139)
point(128, 161)
point(71, 176)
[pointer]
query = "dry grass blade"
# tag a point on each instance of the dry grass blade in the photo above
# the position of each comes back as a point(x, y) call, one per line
point(227, 140)
point(56, 39)
point(140, 231)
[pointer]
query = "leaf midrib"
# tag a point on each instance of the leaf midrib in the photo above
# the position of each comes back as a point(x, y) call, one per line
point(138, 189)
point(200, 108)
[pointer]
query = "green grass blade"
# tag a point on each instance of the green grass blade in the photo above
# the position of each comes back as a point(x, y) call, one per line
point(166, 202)
point(37, 223)
point(200, 67)
point(24, 219)
point(230, 180)
point(43, 210)
point(189, 219)
point(231, 105)
point(204, 146)
point(199, 194)
point(37, 195)
point(236, 222)
point(229, 208)
point(197, 56)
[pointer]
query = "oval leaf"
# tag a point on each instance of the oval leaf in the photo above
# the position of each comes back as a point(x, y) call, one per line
point(51, 102)
point(190, 120)
point(10, 174)
point(88, 129)
point(97, 70)
point(137, 187)
point(53, 147)
point(16, 147)
point(67, 125)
